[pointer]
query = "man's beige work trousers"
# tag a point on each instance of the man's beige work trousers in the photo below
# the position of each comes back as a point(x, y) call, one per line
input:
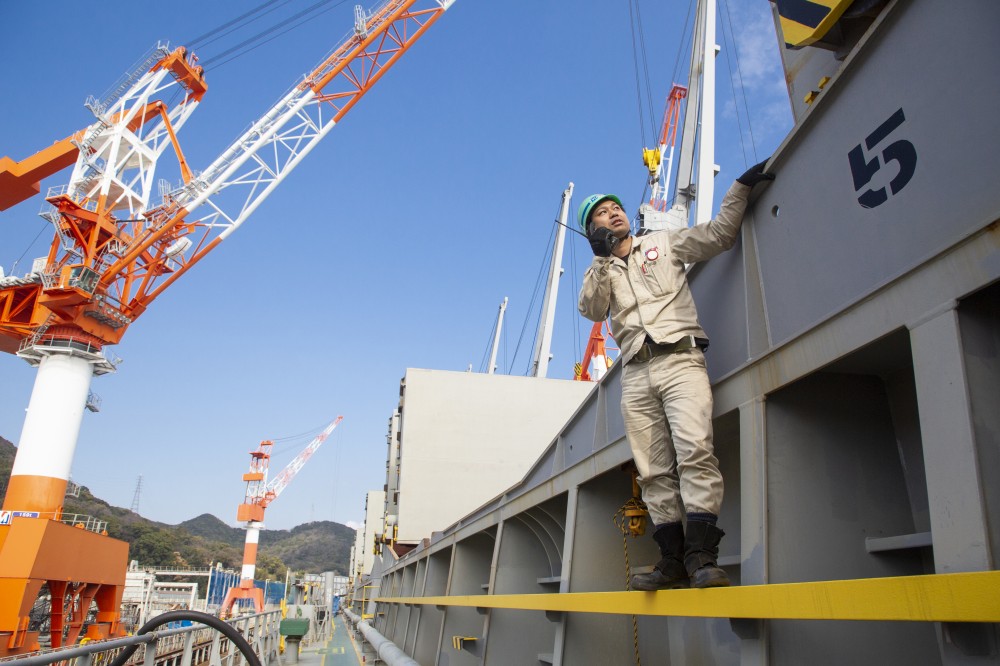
point(667, 407)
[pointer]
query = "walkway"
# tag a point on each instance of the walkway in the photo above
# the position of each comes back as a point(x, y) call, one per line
point(338, 651)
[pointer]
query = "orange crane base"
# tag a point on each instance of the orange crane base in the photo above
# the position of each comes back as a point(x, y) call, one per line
point(80, 567)
point(236, 593)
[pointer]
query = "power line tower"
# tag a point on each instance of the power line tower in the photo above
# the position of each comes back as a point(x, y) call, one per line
point(135, 497)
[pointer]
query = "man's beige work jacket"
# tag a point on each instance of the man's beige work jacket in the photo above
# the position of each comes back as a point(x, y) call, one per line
point(649, 294)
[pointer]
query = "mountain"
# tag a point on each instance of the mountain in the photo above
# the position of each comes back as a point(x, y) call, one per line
point(209, 527)
point(308, 547)
point(311, 545)
point(204, 540)
point(7, 451)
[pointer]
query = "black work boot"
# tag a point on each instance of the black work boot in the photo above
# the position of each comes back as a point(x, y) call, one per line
point(701, 554)
point(669, 573)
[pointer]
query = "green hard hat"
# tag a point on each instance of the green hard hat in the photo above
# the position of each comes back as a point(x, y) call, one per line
point(583, 214)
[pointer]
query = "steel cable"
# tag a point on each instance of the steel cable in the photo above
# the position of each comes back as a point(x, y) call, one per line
point(638, 84)
point(203, 40)
point(746, 106)
point(531, 304)
point(258, 39)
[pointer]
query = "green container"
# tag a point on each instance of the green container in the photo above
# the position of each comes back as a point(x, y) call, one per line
point(297, 627)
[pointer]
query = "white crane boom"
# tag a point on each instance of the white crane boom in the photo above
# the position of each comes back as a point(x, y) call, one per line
point(239, 180)
point(281, 481)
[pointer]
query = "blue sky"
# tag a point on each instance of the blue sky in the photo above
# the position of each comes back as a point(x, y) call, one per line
point(390, 246)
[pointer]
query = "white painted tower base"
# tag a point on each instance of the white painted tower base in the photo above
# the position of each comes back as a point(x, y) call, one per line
point(52, 425)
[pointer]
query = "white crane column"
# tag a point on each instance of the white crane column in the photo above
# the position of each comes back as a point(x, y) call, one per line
point(540, 364)
point(51, 427)
point(496, 338)
point(706, 137)
point(250, 553)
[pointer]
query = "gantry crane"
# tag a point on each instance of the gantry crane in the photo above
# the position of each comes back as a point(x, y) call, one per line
point(260, 493)
point(115, 250)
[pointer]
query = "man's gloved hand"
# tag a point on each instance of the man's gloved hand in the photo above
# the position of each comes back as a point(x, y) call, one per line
point(602, 241)
point(755, 174)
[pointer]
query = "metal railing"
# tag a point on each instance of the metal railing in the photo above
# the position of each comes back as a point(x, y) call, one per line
point(83, 521)
point(176, 646)
point(85, 345)
point(80, 520)
point(57, 190)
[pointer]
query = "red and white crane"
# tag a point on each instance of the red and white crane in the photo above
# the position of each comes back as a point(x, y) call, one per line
point(655, 158)
point(260, 493)
point(115, 249)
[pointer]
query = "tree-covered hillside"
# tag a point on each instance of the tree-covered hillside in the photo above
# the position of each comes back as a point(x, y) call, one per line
point(204, 540)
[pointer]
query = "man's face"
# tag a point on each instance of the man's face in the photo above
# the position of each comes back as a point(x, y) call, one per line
point(610, 215)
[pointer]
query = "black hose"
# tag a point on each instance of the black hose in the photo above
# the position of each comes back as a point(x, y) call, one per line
point(228, 630)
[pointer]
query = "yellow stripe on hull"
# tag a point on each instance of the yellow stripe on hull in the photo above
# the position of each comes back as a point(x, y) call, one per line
point(959, 597)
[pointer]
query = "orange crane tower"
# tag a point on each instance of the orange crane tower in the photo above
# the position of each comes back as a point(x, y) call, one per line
point(114, 251)
point(595, 355)
point(260, 493)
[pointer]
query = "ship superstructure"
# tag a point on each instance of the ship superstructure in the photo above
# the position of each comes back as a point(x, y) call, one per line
point(855, 365)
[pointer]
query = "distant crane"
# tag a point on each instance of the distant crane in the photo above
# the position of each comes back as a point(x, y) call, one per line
point(260, 493)
point(663, 154)
point(595, 357)
point(694, 186)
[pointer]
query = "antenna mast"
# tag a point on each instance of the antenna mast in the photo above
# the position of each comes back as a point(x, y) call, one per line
point(496, 338)
point(540, 364)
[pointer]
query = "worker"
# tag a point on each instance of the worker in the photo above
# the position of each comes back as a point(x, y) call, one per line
point(666, 397)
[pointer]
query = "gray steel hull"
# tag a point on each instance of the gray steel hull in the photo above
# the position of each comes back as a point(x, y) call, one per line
point(855, 359)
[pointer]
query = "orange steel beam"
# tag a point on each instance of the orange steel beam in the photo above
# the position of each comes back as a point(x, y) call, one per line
point(22, 180)
point(191, 77)
point(185, 170)
point(237, 593)
point(36, 551)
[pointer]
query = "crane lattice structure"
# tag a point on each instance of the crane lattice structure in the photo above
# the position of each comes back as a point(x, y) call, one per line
point(259, 494)
point(115, 250)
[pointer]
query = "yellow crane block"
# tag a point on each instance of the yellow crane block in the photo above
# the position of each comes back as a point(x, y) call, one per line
point(806, 21)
